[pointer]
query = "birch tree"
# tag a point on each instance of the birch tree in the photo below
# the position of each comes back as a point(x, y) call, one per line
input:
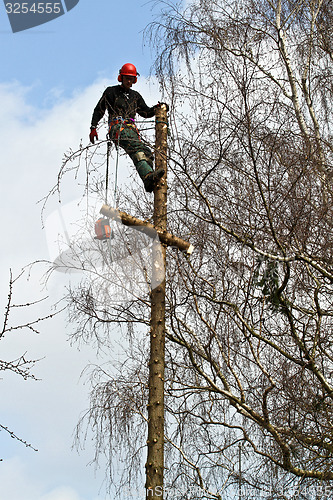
point(249, 314)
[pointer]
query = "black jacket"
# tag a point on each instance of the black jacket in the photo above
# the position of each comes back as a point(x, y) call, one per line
point(121, 102)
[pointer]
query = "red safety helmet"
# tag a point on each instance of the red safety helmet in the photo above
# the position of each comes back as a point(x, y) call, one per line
point(128, 69)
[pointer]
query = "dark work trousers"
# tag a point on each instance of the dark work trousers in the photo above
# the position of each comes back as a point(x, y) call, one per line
point(127, 136)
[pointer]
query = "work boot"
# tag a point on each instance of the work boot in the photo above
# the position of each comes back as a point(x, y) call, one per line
point(151, 179)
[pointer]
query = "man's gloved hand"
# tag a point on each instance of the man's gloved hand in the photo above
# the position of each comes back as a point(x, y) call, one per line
point(159, 104)
point(93, 134)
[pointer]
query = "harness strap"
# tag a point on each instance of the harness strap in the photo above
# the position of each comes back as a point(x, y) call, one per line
point(128, 122)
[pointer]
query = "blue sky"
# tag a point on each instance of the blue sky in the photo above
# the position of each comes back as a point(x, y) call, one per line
point(90, 41)
point(51, 79)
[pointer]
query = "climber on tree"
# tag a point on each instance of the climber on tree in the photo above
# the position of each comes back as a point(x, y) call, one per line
point(122, 104)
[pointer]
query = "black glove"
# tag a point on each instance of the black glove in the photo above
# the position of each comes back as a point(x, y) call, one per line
point(160, 104)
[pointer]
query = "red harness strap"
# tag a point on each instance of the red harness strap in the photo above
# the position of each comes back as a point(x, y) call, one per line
point(129, 122)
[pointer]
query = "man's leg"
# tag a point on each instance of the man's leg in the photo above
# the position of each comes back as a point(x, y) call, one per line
point(141, 156)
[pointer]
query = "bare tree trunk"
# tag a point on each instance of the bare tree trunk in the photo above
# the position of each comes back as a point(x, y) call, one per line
point(155, 458)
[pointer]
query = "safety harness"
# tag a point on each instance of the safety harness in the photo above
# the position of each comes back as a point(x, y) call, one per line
point(124, 122)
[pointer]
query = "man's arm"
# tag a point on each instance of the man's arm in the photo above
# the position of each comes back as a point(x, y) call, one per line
point(144, 110)
point(96, 117)
point(99, 111)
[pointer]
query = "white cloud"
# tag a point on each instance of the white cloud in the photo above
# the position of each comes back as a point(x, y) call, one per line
point(45, 412)
point(17, 483)
point(62, 493)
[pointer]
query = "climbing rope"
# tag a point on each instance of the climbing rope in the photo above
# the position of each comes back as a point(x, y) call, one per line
point(167, 124)
point(107, 175)
point(108, 149)
point(116, 174)
point(107, 172)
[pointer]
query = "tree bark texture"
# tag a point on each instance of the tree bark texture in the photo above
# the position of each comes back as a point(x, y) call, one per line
point(155, 442)
point(147, 228)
